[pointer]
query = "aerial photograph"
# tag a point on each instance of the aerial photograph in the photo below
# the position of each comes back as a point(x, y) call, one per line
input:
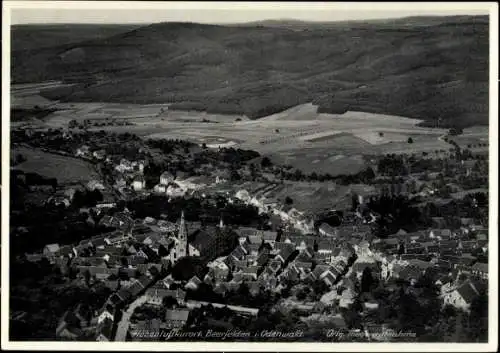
point(248, 175)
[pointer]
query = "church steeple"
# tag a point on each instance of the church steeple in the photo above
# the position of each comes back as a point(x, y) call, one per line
point(221, 223)
point(182, 227)
point(181, 245)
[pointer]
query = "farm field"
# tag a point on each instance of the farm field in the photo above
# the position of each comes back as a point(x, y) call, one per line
point(315, 197)
point(299, 136)
point(321, 160)
point(66, 170)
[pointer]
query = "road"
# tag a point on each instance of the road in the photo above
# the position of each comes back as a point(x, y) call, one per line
point(122, 329)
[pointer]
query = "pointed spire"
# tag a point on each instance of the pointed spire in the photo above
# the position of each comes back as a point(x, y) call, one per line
point(182, 227)
point(221, 223)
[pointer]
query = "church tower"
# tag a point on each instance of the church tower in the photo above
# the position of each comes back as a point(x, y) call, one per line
point(221, 223)
point(181, 246)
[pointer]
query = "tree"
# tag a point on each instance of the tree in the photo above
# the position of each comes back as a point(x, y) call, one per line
point(169, 302)
point(235, 175)
point(381, 134)
point(354, 202)
point(366, 280)
point(301, 295)
point(265, 162)
point(20, 158)
point(478, 319)
point(87, 276)
point(410, 140)
point(288, 200)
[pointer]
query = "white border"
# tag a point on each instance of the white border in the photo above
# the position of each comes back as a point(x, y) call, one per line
point(492, 345)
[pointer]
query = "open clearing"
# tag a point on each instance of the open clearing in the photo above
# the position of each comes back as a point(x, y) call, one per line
point(301, 136)
point(320, 160)
point(66, 170)
point(310, 196)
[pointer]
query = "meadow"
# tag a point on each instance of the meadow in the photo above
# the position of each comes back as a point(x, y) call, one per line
point(66, 170)
point(300, 136)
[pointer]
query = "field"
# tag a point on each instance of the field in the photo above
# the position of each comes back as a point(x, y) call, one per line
point(299, 136)
point(66, 170)
point(27, 96)
point(312, 196)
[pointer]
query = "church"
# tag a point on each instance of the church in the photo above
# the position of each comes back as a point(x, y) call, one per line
point(180, 248)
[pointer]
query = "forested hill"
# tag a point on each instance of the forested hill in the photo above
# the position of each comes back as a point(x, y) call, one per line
point(416, 67)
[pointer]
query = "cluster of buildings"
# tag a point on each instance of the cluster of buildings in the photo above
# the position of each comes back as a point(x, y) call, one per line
point(133, 260)
point(455, 259)
point(129, 260)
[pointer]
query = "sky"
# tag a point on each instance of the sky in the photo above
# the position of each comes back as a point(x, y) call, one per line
point(207, 12)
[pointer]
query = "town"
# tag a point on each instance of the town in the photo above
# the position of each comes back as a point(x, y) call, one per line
point(168, 239)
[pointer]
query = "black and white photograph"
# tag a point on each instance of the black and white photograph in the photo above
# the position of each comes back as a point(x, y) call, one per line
point(186, 173)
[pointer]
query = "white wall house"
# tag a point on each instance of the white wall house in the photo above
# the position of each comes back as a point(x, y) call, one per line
point(139, 184)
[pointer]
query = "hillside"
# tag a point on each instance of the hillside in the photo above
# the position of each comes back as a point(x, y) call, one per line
point(437, 67)
point(29, 37)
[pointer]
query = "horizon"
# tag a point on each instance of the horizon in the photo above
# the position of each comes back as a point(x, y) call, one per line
point(285, 19)
point(228, 14)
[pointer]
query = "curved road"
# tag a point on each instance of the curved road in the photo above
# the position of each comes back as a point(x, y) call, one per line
point(122, 329)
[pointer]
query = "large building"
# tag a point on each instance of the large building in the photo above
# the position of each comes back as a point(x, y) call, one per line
point(180, 248)
point(211, 242)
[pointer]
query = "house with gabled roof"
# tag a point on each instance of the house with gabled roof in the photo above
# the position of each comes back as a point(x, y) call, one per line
point(51, 249)
point(176, 318)
point(285, 254)
point(358, 267)
point(320, 269)
point(155, 296)
point(250, 271)
point(462, 296)
point(273, 266)
point(440, 234)
point(480, 269)
point(106, 312)
point(69, 326)
point(193, 283)
point(269, 236)
point(327, 230)
point(104, 331)
point(329, 276)
point(291, 273)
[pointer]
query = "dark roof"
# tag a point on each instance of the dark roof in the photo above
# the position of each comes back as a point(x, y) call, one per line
point(145, 281)
point(480, 266)
point(202, 239)
point(282, 245)
point(320, 269)
point(410, 272)
point(467, 292)
point(124, 294)
point(115, 299)
point(105, 328)
point(177, 315)
point(360, 266)
point(326, 228)
point(71, 319)
point(263, 258)
point(286, 252)
point(238, 253)
point(390, 241)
